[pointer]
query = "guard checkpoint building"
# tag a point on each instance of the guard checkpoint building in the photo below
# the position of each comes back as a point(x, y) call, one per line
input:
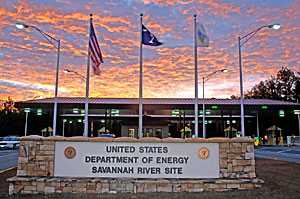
point(162, 117)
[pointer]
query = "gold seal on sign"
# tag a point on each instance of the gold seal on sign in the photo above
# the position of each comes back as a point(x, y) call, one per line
point(70, 152)
point(203, 153)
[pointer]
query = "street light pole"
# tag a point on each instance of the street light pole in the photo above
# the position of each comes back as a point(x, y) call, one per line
point(299, 123)
point(26, 121)
point(196, 77)
point(203, 103)
point(26, 110)
point(67, 71)
point(63, 131)
point(56, 89)
point(203, 110)
point(50, 40)
point(298, 115)
point(241, 41)
point(241, 90)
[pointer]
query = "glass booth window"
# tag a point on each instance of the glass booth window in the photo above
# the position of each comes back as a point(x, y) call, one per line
point(158, 132)
point(131, 132)
point(149, 132)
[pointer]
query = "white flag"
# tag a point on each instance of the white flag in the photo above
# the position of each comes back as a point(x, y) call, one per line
point(202, 38)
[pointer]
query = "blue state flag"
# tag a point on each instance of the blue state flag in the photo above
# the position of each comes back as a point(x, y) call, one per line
point(148, 38)
point(202, 37)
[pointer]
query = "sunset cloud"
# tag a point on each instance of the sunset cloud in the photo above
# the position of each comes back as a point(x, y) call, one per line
point(28, 61)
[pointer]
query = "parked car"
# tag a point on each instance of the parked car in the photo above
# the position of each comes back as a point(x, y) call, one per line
point(9, 142)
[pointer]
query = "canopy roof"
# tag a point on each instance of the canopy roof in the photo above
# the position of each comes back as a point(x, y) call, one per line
point(230, 129)
point(274, 128)
point(47, 129)
point(159, 101)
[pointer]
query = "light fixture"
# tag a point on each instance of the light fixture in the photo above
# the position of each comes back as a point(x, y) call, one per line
point(39, 111)
point(67, 71)
point(274, 26)
point(281, 113)
point(214, 107)
point(224, 70)
point(21, 25)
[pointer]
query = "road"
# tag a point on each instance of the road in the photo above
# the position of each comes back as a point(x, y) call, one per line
point(290, 154)
point(8, 159)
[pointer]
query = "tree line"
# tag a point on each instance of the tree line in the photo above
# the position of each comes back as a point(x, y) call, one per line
point(284, 86)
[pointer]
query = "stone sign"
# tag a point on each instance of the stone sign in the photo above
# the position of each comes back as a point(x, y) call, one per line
point(112, 165)
point(136, 160)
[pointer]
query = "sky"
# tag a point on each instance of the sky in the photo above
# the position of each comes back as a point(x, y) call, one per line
point(28, 61)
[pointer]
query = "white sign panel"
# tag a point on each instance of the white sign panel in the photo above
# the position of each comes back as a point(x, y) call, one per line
point(136, 160)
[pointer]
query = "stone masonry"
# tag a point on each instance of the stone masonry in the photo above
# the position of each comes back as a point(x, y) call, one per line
point(35, 173)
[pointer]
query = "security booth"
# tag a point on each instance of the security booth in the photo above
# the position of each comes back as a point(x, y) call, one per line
point(230, 132)
point(274, 135)
point(162, 117)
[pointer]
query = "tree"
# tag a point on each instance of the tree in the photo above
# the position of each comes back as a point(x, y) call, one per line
point(9, 117)
point(8, 106)
point(285, 86)
point(297, 90)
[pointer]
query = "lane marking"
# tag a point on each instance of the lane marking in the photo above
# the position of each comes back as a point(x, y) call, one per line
point(8, 152)
point(8, 155)
point(8, 169)
point(284, 151)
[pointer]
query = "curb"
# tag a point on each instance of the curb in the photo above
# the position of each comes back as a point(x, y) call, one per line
point(8, 169)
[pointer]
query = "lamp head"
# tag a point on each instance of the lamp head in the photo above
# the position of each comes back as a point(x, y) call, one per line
point(21, 25)
point(224, 70)
point(66, 70)
point(275, 26)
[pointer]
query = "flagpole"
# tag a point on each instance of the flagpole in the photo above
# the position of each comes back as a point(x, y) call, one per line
point(196, 76)
point(87, 87)
point(141, 83)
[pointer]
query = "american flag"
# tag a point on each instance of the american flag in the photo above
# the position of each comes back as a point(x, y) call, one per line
point(95, 51)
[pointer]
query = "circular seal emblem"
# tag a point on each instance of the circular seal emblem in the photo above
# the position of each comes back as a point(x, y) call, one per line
point(70, 152)
point(203, 153)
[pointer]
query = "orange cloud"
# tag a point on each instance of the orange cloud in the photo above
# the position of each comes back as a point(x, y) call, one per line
point(168, 69)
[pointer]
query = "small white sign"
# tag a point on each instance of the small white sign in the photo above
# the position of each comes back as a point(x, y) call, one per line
point(136, 160)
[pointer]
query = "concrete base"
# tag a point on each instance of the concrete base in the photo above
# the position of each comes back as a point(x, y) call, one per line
point(48, 185)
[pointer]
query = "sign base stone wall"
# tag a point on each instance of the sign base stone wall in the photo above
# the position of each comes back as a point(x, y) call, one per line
point(34, 185)
point(36, 165)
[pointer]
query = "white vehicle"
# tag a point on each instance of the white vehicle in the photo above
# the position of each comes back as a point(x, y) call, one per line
point(9, 142)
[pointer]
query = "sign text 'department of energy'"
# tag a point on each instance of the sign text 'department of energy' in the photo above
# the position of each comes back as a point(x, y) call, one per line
point(137, 160)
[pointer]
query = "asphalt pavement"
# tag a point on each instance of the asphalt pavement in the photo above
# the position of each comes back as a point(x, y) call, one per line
point(285, 153)
point(8, 159)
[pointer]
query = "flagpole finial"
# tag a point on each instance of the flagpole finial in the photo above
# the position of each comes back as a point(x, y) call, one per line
point(141, 14)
